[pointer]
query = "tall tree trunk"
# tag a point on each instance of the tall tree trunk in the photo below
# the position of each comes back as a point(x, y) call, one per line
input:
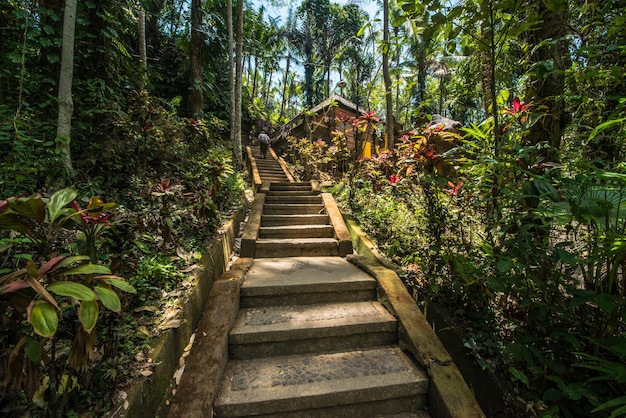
point(66, 104)
point(546, 88)
point(231, 79)
point(196, 48)
point(143, 57)
point(254, 77)
point(387, 76)
point(238, 78)
point(285, 88)
point(309, 66)
point(268, 89)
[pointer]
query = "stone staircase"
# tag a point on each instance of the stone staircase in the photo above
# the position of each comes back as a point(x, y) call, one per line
point(310, 340)
point(294, 219)
point(266, 169)
point(295, 330)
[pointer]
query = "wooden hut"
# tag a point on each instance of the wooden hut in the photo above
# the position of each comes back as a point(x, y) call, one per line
point(334, 114)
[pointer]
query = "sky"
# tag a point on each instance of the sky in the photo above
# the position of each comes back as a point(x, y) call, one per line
point(273, 10)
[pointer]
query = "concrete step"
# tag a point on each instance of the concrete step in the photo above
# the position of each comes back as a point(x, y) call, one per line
point(271, 177)
point(283, 220)
point(361, 384)
point(292, 199)
point(296, 247)
point(293, 209)
point(304, 280)
point(281, 330)
point(292, 193)
point(267, 167)
point(290, 187)
point(297, 231)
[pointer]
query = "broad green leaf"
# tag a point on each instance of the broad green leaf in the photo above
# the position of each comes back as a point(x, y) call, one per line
point(71, 260)
point(89, 269)
point(109, 298)
point(43, 317)
point(519, 375)
point(120, 284)
point(33, 350)
point(88, 314)
point(15, 222)
point(546, 188)
point(30, 207)
point(604, 126)
point(438, 18)
point(59, 201)
point(611, 404)
point(72, 289)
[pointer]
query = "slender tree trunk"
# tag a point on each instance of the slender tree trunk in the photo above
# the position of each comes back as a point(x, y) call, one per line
point(231, 79)
point(421, 75)
point(66, 104)
point(143, 57)
point(309, 66)
point(387, 76)
point(254, 76)
point(268, 89)
point(195, 51)
point(238, 78)
point(285, 87)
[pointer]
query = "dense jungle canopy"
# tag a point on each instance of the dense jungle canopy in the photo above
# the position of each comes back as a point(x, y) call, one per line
point(516, 221)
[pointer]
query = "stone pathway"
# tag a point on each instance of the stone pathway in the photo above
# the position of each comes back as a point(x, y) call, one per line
point(304, 334)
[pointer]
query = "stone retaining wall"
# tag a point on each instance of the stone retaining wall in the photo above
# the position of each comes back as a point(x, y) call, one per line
point(147, 393)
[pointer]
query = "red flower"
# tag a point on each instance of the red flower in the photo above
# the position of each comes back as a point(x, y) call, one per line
point(394, 180)
point(436, 128)
point(371, 117)
point(429, 154)
point(453, 190)
point(342, 118)
point(518, 107)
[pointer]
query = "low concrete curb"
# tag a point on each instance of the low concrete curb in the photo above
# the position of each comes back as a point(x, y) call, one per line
point(283, 165)
point(253, 170)
point(147, 394)
point(449, 395)
point(200, 383)
point(251, 231)
point(341, 232)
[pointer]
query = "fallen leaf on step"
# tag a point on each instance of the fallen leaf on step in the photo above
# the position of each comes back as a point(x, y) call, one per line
point(179, 374)
point(144, 330)
point(172, 323)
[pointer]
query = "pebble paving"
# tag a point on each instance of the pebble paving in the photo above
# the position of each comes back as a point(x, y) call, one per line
point(301, 370)
point(286, 314)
